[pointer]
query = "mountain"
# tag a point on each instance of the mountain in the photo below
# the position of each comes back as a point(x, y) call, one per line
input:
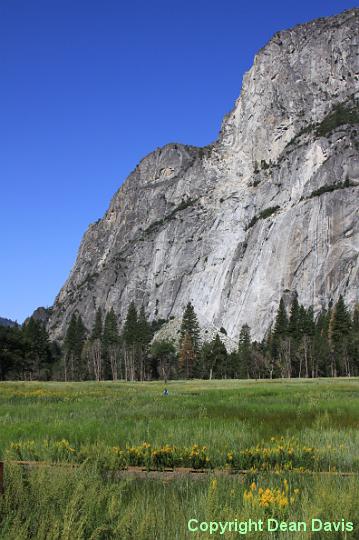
point(269, 209)
point(40, 314)
point(7, 322)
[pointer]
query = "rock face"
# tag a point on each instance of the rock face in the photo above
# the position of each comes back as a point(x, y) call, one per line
point(268, 209)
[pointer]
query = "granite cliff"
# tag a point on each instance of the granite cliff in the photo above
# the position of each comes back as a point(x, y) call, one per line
point(268, 209)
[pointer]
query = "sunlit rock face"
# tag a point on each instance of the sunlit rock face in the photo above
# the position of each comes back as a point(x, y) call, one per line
point(268, 209)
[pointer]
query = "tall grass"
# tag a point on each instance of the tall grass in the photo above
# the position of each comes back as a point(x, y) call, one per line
point(61, 504)
point(84, 503)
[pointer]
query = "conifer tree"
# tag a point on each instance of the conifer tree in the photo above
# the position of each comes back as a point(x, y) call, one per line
point(214, 359)
point(96, 346)
point(38, 347)
point(280, 345)
point(220, 355)
point(130, 341)
point(281, 321)
point(340, 323)
point(190, 326)
point(187, 356)
point(339, 333)
point(130, 327)
point(293, 324)
point(110, 345)
point(143, 339)
point(96, 332)
point(244, 352)
point(143, 332)
point(164, 355)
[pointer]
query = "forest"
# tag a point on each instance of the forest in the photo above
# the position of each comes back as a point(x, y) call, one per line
point(298, 345)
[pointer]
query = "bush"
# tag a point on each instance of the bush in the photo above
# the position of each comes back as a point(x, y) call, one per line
point(262, 215)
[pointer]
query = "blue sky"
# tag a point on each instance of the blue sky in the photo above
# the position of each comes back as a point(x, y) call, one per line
point(87, 89)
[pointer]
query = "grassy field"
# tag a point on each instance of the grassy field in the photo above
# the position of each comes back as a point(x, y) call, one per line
point(286, 433)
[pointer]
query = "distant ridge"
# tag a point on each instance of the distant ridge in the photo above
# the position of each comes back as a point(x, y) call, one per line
point(7, 322)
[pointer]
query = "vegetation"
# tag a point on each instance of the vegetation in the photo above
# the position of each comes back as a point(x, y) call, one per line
point(297, 345)
point(329, 188)
point(282, 431)
point(266, 213)
point(344, 113)
point(185, 203)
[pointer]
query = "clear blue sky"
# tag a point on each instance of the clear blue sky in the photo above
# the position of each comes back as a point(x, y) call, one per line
point(87, 89)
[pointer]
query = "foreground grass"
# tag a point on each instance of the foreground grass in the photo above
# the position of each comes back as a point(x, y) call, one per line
point(60, 503)
point(80, 505)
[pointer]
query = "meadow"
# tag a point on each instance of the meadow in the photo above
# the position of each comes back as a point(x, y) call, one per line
point(298, 441)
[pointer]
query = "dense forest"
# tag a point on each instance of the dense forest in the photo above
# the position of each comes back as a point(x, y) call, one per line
point(297, 345)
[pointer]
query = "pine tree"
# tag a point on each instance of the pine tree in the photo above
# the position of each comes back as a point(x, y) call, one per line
point(14, 361)
point(110, 345)
point(339, 332)
point(143, 339)
point(321, 350)
point(355, 324)
point(164, 356)
point(130, 326)
point(293, 325)
point(96, 332)
point(73, 345)
point(71, 333)
point(96, 346)
point(38, 347)
point(244, 352)
point(281, 321)
point(220, 356)
point(279, 331)
point(130, 342)
point(281, 344)
point(354, 341)
point(190, 326)
point(143, 332)
point(340, 323)
point(187, 356)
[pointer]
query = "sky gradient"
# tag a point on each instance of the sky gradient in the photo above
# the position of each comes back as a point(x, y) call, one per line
point(87, 89)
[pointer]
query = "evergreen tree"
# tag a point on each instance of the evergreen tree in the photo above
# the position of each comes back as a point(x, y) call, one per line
point(355, 324)
point(38, 347)
point(96, 332)
point(340, 323)
point(190, 326)
point(110, 331)
point(281, 321)
point(281, 352)
point(245, 352)
point(144, 336)
point(164, 356)
point(144, 333)
point(13, 354)
point(321, 350)
point(293, 324)
point(130, 336)
point(95, 349)
point(71, 335)
point(187, 356)
point(130, 326)
point(214, 359)
point(74, 341)
point(110, 345)
point(220, 355)
point(339, 334)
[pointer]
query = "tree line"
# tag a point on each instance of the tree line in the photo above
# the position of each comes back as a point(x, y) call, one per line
point(297, 345)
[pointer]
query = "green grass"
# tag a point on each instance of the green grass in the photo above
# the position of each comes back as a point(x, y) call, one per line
point(218, 414)
point(84, 503)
